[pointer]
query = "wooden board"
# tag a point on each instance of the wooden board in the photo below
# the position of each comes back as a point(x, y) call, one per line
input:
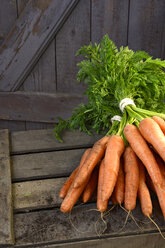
point(42, 78)
point(8, 15)
point(146, 26)
point(74, 33)
point(39, 107)
point(111, 17)
point(29, 37)
point(44, 140)
point(52, 164)
point(37, 194)
point(150, 240)
point(52, 226)
point(6, 216)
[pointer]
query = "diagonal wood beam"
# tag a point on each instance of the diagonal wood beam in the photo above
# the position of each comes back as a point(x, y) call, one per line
point(29, 37)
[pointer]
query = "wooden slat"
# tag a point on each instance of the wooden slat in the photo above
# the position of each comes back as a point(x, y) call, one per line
point(21, 5)
point(73, 34)
point(42, 77)
point(37, 194)
point(8, 15)
point(45, 165)
point(110, 16)
point(29, 37)
point(6, 218)
point(146, 26)
point(44, 140)
point(150, 240)
point(12, 125)
point(39, 107)
point(53, 226)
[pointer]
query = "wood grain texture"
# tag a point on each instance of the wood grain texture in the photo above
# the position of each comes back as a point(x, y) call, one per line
point(111, 17)
point(42, 77)
point(8, 15)
point(150, 240)
point(29, 38)
point(53, 226)
point(12, 125)
point(146, 26)
point(21, 4)
point(6, 215)
point(45, 164)
point(74, 33)
point(37, 194)
point(44, 140)
point(39, 107)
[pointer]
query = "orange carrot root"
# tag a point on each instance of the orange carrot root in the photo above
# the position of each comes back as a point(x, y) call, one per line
point(151, 131)
point(131, 169)
point(95, 156)
point(115, 148)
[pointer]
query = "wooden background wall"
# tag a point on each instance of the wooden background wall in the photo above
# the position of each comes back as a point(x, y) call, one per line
point(138, 24)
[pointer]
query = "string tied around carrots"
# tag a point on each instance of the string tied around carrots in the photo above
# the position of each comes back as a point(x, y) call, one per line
point(116, 118)
point(124, 102)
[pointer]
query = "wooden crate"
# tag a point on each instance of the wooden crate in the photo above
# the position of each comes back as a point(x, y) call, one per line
point(39, 166)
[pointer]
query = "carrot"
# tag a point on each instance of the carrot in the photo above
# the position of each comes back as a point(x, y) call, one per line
point(96, 154)
point(66, 186)
point(91, 186)
point(113, 198)
point(100, 206)
point(161, 165)
point(73, 194)
point(160, 122)
point(151, 131)
point(120, 185)
point(115, 148)
point(161, 197)
point(69, 181)
point(143, 192)
point(131, 170)
point(142, 150)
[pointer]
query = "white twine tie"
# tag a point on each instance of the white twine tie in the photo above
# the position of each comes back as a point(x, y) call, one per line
point(126, 101)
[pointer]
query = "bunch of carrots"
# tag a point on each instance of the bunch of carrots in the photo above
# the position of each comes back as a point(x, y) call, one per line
point(122, 169)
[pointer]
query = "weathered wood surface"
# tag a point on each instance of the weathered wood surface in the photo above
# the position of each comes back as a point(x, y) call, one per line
point(44, 140)
point(39, 107)
point(6, 215)
point(74, 34)
point(21, 5)
point(150, 240)
point(146, 26)
point(29, 38)
point(42, 77)
point(55, 227)
point(110, 16)
point(37, 194)
point(45, 165)
point(8, 15)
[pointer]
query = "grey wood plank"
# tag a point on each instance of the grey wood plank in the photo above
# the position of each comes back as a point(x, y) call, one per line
point(42, 77)
point(8, 15)
point(6, 216)
point(38, 125)
point(37, 106)
point(146, 26)
point(44, 140)
point(53, 226)
point(45, 165)
point(12, 125)
point(37, 194)
point(150, 240)
point(111, 17)
point(21, 4)
point(74, 33)
point(29, 38)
